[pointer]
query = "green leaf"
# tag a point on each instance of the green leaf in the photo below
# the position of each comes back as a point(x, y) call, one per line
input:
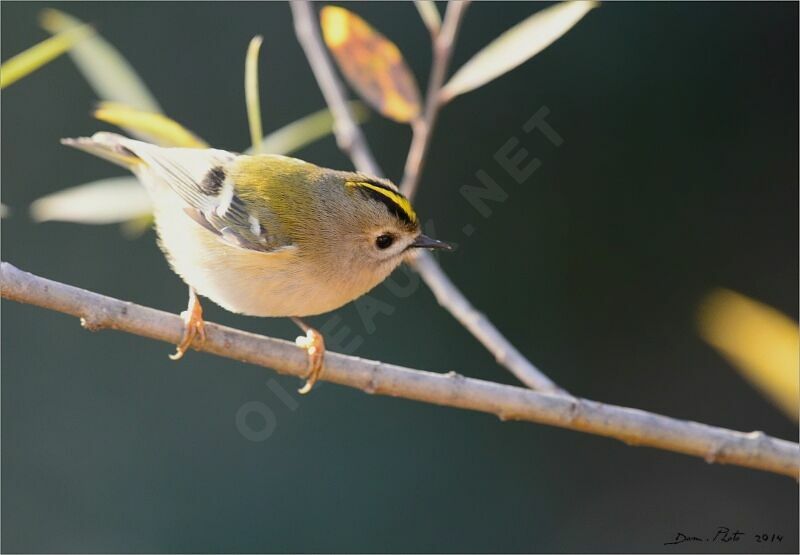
point(36, 56)
point(517, 45)
point(106, 70)
point(305, 131)
point(430, 15)
point(107, 201)
point(251, 92)
point(149, 126)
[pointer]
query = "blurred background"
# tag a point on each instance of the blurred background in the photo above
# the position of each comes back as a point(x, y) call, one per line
point(678, 175)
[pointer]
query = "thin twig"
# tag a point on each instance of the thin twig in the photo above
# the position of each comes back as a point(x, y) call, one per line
point(352, 141)
point(476, 322)
point(348, 135)
point(634, 427)
point(443, 44)
point(479, 325)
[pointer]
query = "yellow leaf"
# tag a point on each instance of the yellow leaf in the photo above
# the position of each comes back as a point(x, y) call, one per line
point(251, 93)
point(296, 135)
point(762, 343)
point(155, 128)
point(107, 201)
point(36, 56)
point(372, 64)
point(106, 70)
point(517, 45)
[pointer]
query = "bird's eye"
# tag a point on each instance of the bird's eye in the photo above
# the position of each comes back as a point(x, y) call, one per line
point(384, 241)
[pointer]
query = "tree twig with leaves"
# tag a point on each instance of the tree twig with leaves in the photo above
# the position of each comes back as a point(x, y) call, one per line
point(443, 44)
point(406, 110)
point(635, 427)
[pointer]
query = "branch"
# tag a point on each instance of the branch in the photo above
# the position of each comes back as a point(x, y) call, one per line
point(634, 427)
point(443, 44)
point(352, 141)
point(448, 296)
point(348, 135)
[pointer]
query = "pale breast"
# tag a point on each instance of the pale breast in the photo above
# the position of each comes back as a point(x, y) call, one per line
point(279, 283)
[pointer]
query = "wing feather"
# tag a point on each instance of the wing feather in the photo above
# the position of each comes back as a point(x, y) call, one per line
point(200, 179)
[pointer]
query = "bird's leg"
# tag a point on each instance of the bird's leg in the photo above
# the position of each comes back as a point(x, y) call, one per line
point(314, 344)
point(193, 325)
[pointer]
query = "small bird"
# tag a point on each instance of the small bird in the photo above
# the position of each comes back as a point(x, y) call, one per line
point(267, 235)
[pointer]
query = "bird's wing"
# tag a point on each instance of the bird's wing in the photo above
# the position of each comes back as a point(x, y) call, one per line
point(200, 179)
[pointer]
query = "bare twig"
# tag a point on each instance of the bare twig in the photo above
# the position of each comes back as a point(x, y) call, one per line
point(352, 141)
point(450, 297)
point(635, 427)
point(479, 325)
point(443, 44)
point(348, 135)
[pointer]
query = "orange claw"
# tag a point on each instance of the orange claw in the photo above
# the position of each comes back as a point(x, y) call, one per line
point(314, 344)
point(193, 326)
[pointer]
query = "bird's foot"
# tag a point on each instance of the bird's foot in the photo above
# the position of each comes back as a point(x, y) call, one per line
point(314, 344)
point(193, 326)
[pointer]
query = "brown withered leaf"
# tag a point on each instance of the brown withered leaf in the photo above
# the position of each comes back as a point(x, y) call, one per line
point(372, 64)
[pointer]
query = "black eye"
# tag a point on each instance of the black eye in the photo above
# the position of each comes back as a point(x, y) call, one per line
point(384, 241)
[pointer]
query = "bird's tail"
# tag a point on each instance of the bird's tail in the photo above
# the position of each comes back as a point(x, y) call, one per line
point(108, 146)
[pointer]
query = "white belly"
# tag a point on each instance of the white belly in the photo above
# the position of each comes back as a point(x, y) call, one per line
point(281, 283)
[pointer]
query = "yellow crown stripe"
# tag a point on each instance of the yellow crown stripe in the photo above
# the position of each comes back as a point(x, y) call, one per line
point(396, 198)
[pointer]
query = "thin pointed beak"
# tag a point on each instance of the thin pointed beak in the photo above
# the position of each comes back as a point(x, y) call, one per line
point(425, 242)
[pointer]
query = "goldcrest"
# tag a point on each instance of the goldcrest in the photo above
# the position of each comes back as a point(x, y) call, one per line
point(268, 235)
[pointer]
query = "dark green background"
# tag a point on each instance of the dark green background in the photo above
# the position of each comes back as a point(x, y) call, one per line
point(678, 174)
